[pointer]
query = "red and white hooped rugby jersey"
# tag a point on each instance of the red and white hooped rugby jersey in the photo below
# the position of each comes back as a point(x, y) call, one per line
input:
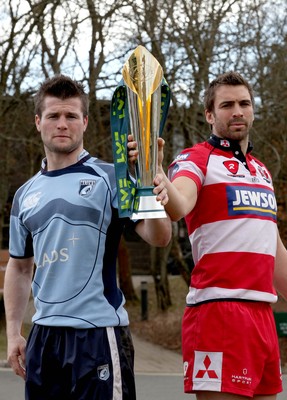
point(232, 229)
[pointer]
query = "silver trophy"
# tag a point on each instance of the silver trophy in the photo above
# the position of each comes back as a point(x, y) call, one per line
point(143, 76)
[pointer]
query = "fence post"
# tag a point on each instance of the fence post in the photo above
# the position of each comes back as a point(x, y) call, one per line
point(144, 300)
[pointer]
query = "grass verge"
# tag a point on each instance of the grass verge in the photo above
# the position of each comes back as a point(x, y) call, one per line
point(162, 328)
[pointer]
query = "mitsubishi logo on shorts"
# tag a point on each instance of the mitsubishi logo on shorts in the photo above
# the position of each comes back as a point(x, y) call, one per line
point(210, 372)
point(207, 370)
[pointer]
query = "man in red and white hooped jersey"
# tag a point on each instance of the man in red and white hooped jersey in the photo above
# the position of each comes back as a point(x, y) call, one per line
point(229, 340)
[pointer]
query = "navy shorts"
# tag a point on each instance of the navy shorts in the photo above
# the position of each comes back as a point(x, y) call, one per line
point(79, 364)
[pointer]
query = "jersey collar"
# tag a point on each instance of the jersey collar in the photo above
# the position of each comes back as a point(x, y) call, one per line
point(227, 144)
point(230, 145)
point(83, 156)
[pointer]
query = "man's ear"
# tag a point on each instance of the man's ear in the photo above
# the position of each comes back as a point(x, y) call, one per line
point(209, 117)
point(37, 122)
point(86, 121)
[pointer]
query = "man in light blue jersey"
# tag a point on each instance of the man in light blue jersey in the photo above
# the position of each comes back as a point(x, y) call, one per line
point(64, 220)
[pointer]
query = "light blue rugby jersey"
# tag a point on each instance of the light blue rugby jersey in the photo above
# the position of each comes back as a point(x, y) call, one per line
point(68, 219)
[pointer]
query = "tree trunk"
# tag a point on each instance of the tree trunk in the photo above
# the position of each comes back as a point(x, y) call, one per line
point(159, 258)
point(125, 272)
point(180, 261)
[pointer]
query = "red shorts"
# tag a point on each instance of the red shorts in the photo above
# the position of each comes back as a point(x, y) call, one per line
point(231, 347)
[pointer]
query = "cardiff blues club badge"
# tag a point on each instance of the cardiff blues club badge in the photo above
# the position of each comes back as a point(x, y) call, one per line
point(104, 372)
point(86, 187)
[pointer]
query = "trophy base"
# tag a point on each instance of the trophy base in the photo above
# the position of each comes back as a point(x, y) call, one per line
point(149, 207)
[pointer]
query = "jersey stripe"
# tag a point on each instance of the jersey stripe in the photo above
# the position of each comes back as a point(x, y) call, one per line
point(117, 375)
point(197, 296)
point(225, 242)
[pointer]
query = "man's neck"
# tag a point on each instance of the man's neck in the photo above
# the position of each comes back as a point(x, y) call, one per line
point(56, 161)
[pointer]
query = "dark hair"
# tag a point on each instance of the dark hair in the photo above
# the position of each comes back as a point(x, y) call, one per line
point(62, 87)
point(229, 78)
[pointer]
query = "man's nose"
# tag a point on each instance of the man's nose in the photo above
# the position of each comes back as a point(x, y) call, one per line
point(237, 111)
point(62, 122)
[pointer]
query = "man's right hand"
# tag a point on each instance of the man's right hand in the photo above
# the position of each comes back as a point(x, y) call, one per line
point(16, 355)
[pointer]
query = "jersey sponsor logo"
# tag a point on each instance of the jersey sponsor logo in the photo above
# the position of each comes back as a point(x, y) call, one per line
point(232, 166)
point(182, 156)
point(57, 255)
point(54, 256)
point(86, 187)
point(224, 143)
point(185, 368)
point(207, 370)
point(242, 378)
point(256, 201)
point(32, 200)
point(173, 171)
point(104, 372)
point(264, 173)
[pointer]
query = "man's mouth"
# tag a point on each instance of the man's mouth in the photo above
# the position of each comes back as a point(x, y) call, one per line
point(237, 123)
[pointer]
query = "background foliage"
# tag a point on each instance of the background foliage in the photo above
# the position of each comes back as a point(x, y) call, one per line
point(90, 40)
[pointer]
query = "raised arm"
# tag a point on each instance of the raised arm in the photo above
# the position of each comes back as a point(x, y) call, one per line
point(182, 192)
point(17, 288)
point(157, 231)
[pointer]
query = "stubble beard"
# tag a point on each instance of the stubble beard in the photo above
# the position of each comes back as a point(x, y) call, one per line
point(235, 134)
point(62, 148)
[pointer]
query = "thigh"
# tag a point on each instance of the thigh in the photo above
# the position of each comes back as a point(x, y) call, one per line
point(78, 364)
point(218, 396)
point(111, 376)
point(126, 356)
point(227, 396)
point(228, 348)
point(46, 377)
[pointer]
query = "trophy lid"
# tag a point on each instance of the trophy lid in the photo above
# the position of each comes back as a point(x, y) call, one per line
point(142, 73)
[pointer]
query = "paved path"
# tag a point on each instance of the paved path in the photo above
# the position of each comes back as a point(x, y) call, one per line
point(159, 373)
point(158, 376)
point(153, 359)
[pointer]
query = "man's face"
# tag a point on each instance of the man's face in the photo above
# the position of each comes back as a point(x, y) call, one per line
point(233, 115)
point(62, 125)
